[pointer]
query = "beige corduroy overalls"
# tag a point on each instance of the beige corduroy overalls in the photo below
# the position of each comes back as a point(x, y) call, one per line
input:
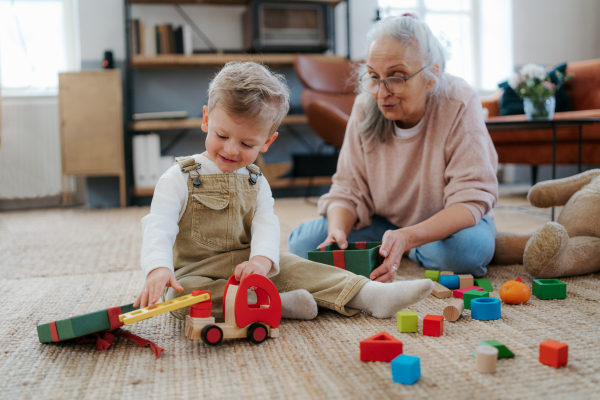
point(214, 237)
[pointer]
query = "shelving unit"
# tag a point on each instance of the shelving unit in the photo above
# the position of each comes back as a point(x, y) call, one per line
point(167, 61)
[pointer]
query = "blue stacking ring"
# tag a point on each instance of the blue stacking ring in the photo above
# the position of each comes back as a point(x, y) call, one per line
point(450, 281)
point(485, 308)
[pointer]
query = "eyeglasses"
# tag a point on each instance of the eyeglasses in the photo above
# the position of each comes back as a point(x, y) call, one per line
point(395, 84)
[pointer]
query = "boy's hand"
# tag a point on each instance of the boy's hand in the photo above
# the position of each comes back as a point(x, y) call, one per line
point(155, 284)
point(257, 265)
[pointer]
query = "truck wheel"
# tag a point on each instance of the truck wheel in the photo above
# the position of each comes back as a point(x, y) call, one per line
point(258, 333)
point(212, 335)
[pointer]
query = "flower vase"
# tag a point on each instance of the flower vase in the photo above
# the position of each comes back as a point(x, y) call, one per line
point(539, 108)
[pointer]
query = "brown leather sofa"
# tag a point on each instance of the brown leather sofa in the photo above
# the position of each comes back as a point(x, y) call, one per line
point(534, 146)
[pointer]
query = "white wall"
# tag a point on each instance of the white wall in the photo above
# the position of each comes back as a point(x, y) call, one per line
point(554, 31)
point(101, 27)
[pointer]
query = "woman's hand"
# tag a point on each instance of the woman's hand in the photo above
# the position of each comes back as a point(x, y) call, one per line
point(257, 265)
point(394, 244)
point(336, 236)
point(156, 281)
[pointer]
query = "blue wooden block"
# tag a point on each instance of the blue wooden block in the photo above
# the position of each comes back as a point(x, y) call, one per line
point(406, 369)
point(485, 308)
point(450, 281)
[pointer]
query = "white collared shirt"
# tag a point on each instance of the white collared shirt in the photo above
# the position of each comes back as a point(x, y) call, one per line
point(160, 227)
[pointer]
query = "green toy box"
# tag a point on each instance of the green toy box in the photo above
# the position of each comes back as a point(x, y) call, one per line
point(82, 325)
point(360, 258)
point(546, 289)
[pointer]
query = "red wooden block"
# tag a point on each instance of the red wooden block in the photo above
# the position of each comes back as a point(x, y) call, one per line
point(201, 310)
point(380, 347)
point(433, 325)
point(519, 280)
point(553, 353)
point(460, 293)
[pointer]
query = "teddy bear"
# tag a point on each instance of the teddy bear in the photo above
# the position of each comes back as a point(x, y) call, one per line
point(569, 246)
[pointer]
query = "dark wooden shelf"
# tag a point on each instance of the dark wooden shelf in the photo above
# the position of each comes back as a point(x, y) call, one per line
point(212, 59)
point(214, 2)
point(280, 183)
point(195, 123)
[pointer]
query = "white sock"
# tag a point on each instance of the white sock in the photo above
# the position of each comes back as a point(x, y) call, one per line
point(384, 300)
point(298, 304)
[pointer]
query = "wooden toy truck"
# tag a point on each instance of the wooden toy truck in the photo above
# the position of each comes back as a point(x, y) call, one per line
point(255, 321)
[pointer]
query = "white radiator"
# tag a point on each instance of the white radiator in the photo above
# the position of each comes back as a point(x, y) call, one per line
point(30, 161)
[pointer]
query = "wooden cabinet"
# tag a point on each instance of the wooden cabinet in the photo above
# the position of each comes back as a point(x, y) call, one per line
point(91, 126)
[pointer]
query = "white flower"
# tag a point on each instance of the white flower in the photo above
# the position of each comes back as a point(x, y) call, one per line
point(531, 71)
point(514, 81)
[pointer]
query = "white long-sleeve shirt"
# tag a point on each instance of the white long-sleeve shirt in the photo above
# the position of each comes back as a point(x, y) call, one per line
point(160, 227)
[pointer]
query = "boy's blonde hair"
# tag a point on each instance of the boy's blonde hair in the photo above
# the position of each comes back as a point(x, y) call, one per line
point(250, 90)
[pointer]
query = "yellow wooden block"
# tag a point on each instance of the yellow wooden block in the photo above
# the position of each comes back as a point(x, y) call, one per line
point(175, 304)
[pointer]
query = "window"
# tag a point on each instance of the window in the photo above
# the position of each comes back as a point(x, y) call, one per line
point(36, 42)
point(476, 34)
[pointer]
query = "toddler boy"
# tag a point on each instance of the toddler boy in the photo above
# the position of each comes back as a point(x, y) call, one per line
point(212, 215)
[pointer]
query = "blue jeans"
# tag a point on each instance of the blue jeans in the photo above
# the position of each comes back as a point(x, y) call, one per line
point(466, 252)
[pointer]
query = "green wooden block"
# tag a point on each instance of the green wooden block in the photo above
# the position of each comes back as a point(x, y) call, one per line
point(546, 289)
point(81, 325)
point(485, 284)
point(503, 351)
point(407, 321)
point(433, 275)
point(473, 294)
point(358, 261)
point(44, 333)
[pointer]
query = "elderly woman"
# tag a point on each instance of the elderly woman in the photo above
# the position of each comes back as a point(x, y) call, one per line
point(417, 169)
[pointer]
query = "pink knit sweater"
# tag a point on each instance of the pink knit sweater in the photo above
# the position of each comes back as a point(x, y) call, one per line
point(451, 160)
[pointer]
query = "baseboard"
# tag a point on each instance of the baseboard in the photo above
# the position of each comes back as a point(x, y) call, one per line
point(28, 204)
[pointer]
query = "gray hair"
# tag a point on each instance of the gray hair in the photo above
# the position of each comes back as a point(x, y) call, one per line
point(250, 90)
point(416, 34)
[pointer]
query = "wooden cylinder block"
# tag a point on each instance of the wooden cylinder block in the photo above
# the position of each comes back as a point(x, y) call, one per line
point(486, 359)
point(454, 310)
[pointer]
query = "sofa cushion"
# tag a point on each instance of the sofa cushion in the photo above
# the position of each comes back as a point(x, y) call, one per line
point(512, 104)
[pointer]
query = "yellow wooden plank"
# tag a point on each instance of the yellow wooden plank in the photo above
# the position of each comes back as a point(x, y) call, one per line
point(175, 304)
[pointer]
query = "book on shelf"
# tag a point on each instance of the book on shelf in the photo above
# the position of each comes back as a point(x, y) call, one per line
point(188, 48)
point(160, 115)
point(148, 164)
point(140, 178)
point(153, 158)
point(150, 40)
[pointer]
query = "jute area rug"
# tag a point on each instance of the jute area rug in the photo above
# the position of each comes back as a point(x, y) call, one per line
point(59, 263)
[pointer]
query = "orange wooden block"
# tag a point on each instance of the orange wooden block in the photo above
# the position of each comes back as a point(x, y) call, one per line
point(553, 353)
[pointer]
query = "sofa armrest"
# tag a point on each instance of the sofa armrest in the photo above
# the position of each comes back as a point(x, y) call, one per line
point(492, 103)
